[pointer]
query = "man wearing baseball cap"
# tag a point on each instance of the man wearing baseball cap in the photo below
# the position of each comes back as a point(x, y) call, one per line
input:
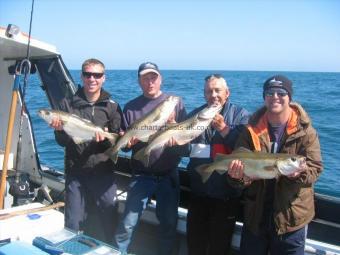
point(148, 67)
point(277, 211)
point(161, 177)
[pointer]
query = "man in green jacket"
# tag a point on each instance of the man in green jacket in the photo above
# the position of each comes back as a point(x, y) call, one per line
point(277, 211)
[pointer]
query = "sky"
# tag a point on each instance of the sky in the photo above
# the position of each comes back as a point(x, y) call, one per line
point(187, 34)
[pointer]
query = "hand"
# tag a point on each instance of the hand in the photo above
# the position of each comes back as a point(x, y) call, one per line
point(171, 142)
point(57, 124)
point(294, 175)
point(132, 142)
point(219, 124)
point(236, 169)
point(100, 136)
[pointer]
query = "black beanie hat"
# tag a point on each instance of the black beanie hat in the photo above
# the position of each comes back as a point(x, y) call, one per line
point(279, 81)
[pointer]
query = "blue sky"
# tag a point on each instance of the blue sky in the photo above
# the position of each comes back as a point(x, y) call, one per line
point(187, 34)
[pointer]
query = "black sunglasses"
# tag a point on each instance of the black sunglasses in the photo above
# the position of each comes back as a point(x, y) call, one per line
point(280, 93)
point(88, 75)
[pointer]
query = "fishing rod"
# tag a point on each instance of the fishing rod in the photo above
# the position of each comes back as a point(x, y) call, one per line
point(26, 71)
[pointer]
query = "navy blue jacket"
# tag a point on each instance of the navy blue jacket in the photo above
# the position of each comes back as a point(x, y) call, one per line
point(205, 147)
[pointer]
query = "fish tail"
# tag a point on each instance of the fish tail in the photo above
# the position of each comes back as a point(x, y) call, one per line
point(142, 157)
point(113, 138)
point(113, 154)
point(205, 172)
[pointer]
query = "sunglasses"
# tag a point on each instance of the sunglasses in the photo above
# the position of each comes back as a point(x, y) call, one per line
point(279, 92)
point(88, 75)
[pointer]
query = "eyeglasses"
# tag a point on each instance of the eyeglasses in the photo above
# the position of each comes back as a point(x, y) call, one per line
point(88, 75)
point(279, 93)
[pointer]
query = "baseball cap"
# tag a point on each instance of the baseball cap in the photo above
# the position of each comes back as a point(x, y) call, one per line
point(148, 67)
point(278, 81)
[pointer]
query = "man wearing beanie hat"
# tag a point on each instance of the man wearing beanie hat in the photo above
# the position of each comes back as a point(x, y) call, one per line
point(278, 82)
point(277, 211)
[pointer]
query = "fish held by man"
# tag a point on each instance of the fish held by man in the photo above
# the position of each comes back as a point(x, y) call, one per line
point(79, 129)
point(182, 132)
point(257, 165)
point(146, 126)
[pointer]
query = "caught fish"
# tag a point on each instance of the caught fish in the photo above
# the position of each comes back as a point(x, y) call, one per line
point(80, 130)
point(182, 132)
point(146, 126)
point(257, 165)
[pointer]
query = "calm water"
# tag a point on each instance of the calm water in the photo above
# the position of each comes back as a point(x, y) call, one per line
point(317, 92)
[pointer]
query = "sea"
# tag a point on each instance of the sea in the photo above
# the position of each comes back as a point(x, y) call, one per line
point(318, 93)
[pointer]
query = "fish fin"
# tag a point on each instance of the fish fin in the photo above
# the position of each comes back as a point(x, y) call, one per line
point(220, 156)
point(269, 168)
point(182, 142)
point(144, 139)
point(151, 137)
point(78, 140)
point(221, 171)
point(113, 155)
point(168, 126)
point(140, 156)
point(80, 118)
point(203, 170)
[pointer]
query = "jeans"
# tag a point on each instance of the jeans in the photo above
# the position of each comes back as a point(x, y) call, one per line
point(166, 191)
point(292, 243)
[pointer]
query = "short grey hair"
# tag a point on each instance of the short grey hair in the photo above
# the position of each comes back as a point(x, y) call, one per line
point(219, 77)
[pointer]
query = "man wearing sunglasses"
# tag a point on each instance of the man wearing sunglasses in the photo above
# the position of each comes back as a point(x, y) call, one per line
point(89, 180)
point(277, 211)
point(214, 204)
point(161, 177)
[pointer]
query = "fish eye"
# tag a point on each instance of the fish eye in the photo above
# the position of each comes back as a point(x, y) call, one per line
point(293, 159)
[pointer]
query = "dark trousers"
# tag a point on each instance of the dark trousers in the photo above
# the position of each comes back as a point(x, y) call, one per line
point(292, 243)
point(90, 204)
point(210, 225)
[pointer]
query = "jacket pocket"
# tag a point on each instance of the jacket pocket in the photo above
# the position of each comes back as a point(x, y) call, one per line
point(301, 208)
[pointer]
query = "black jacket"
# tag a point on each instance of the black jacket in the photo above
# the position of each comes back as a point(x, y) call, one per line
point(89, 156)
